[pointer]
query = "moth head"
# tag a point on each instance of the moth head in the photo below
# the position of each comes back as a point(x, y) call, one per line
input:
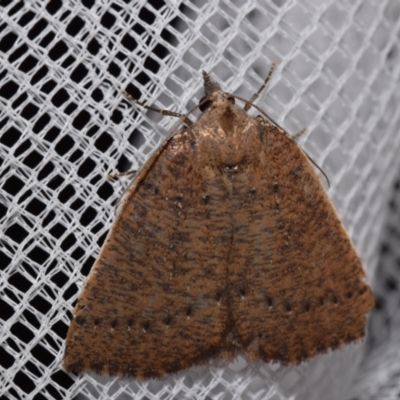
point(213, 93)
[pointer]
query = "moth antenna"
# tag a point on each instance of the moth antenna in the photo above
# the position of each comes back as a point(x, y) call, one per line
point(153, 158)
point(182, 118)
point(261, 111)
point(250, 102)
point(319, 169)
point(283, 130)
point(157, 110)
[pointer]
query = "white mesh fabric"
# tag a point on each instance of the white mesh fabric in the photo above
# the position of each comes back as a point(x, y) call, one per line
point(64, 127)
point(378, 377)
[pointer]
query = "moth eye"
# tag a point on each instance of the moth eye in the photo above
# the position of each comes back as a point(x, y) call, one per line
point(204, 104)
point(231, 99)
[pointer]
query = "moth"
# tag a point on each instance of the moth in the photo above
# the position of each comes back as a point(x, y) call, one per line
point(225, 243)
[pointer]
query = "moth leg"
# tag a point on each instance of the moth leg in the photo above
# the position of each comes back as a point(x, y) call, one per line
point(250, 102)
point(300, 133)
point(119, 174)
point(158, 110)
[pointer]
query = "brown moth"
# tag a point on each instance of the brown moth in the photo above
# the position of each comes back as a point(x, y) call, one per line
point(226, 243)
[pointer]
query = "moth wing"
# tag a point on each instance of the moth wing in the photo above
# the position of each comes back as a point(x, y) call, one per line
point(297, 284)
point(151, 303)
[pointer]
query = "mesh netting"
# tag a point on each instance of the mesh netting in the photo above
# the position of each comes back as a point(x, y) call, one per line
point(65, 126)
point(378, 377)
